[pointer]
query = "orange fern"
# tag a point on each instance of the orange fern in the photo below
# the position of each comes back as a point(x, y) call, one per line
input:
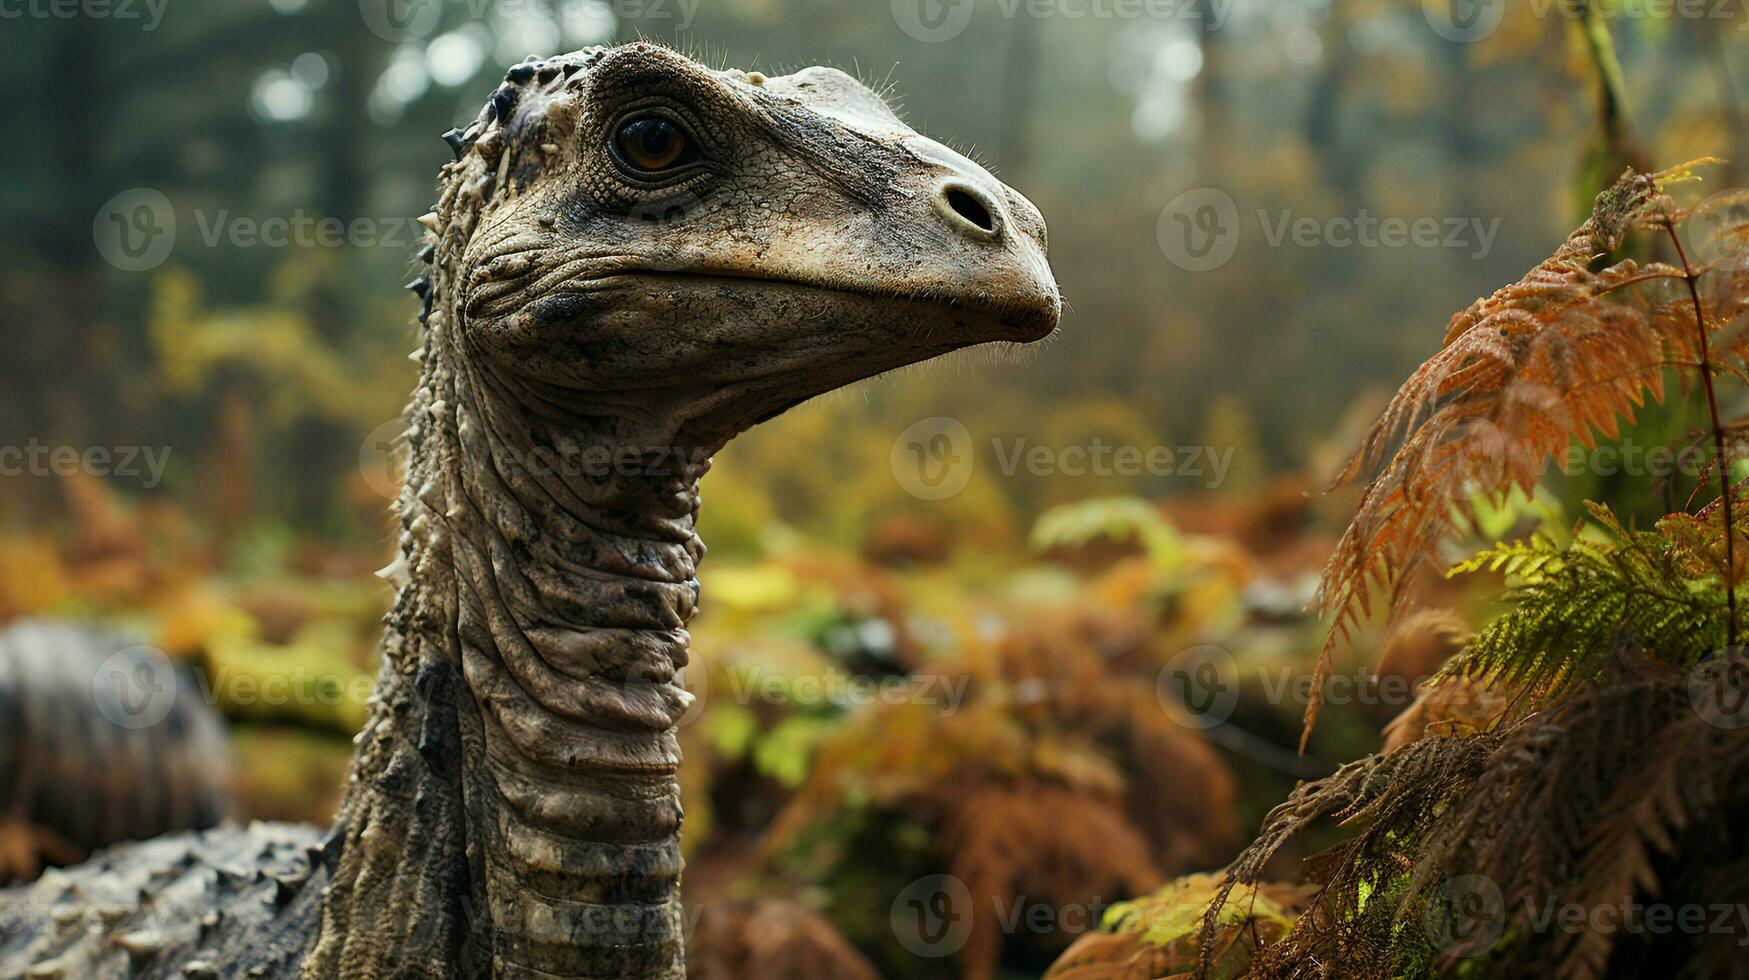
point(1567, 353)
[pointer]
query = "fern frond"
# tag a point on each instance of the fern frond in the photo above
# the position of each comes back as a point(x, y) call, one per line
point(1524, 559)
point(1578, 606)
point(1581, 806)
point(1568, 353)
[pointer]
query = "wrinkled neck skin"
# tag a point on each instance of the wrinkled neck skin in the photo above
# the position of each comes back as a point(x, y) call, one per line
point(513, 807)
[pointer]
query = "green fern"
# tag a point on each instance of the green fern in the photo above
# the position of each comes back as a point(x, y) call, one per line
point(1525, 559)
point(1571, 609)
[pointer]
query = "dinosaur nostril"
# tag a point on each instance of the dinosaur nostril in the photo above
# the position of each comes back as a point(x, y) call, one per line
point(971, 209)
point(968, 209)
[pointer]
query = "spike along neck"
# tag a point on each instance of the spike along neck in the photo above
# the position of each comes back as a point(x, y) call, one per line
point(525, 717)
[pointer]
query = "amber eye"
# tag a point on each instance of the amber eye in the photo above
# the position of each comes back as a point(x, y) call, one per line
point(652, 143)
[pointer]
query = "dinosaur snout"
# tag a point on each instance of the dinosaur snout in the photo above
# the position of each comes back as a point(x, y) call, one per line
point(994, 254)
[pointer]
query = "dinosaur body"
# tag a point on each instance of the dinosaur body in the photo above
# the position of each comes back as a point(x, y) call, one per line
point(73, 779)
point(632, 259)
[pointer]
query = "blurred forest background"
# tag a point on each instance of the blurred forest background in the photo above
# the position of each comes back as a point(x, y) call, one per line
point(273, 376)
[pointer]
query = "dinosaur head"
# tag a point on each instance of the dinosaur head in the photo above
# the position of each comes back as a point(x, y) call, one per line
point(630, 228)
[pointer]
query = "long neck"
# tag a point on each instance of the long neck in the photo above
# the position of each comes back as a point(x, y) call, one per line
point(513, 803)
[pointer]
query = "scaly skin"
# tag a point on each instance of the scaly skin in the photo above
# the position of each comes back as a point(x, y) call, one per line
point(595, 330)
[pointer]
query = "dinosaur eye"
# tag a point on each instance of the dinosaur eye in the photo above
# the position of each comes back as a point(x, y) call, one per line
point(651, 144)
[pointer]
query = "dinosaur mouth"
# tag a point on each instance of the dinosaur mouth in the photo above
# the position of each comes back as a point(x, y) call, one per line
point(1020, 316)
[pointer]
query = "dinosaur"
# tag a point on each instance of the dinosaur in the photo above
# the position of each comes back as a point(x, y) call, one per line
point(632, 259)
point(74, 779)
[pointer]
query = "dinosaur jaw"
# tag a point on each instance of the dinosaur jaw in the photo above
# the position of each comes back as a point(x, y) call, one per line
point(757, 347)
point(1008, 309)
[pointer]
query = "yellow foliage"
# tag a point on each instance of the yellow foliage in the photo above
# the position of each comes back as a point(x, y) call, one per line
point(191, 620)
point(310, 680)
point(1156, 935)
point(32, 578)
